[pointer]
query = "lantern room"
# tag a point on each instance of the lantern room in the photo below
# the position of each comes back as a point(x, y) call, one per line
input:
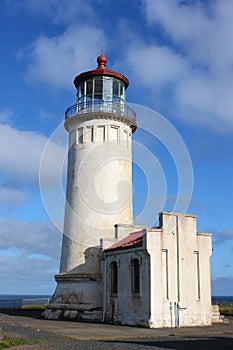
point(102, 90)
point(98, 89)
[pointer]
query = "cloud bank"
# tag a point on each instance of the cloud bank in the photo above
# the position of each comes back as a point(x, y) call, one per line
point(29, 255)
point(56, 60)
point(195, 68)
point(20, 156)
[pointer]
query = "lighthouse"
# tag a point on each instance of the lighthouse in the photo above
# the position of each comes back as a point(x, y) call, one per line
point(99, 183)
point(110, 269)
point(99, 179)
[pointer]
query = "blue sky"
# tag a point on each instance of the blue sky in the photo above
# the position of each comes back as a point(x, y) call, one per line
point(178, 56)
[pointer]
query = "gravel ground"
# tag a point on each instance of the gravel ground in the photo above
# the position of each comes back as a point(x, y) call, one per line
point(50, 341)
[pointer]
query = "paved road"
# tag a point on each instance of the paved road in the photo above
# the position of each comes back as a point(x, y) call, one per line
point(61, 335)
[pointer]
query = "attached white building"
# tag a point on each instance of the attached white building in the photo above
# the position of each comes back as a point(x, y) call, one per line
point(111, 270)
point(160, 277)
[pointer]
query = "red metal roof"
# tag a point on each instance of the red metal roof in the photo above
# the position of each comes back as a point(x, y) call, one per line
point(101, 70)
point(131, 241)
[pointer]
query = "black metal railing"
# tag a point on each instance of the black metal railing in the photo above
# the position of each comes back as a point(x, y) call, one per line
point(101, 106)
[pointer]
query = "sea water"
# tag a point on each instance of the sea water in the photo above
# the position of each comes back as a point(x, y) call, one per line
point(18, 300)
point(222, 300)
point(14, 300)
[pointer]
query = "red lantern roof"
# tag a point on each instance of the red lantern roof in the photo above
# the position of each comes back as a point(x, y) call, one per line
point(101, 70)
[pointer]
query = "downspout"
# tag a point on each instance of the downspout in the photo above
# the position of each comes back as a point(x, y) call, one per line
point(178, 273)
point(170, 308)
point(104, 289)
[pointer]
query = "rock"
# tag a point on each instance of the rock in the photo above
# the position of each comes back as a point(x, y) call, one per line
point(54, 315)
point(73, 314)
point(67, 314)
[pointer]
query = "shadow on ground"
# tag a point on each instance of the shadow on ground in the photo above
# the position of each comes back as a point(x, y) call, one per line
point(35, 313)
point(215, 343)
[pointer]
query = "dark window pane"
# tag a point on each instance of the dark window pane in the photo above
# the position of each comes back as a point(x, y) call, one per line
point(135, 276)
point(114, 278)
point(81, 87)
point(115, 88)
point(89, 87)
point(98, 97)
point(121, 91)
point(98, 86)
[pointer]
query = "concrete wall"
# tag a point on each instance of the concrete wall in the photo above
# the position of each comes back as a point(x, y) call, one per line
point(175, 288)
point(125, 307)
point(180, 273)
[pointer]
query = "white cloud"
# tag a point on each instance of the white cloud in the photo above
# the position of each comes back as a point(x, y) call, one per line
point(156, 66)
point(56, 60)
point(20, 275)
point(11, 198)
point(20, 156)
point(196, 69)
point(27, 238)
point(29, 256)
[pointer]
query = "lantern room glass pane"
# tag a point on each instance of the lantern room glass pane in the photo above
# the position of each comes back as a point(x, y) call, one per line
point(107, 92)
point(101, 90)
point(89, 88)
point(80, 93)
point(98, 87)
point(115, 88)
point(122, 92)
point(81, 89)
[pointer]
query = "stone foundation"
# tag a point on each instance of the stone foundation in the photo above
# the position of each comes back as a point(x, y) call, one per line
point(77, 315)
point(78, 296)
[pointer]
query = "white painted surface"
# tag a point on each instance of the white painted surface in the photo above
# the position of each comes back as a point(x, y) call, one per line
point(99, 184)
point(170, 294)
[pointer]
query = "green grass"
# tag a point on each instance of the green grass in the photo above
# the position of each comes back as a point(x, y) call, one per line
point(34, 307)
point(7, 342)
point(226, 309)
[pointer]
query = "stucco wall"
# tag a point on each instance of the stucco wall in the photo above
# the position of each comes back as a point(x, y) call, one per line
point(175, 288)
point(183, 298)
point(125, 307)
point(99, 185)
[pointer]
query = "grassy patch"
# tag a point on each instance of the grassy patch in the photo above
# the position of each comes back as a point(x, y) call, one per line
point(226, 309)
point(34, 307)
point(7, 342)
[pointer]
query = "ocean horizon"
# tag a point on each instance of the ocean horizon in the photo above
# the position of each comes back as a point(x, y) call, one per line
point(17, 300)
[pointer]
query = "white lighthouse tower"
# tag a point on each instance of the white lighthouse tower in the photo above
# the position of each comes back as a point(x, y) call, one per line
point(99, 183)
point(110, 269)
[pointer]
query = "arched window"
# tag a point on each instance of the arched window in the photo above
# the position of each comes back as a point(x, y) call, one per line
point(114, 277)
point(135, 276)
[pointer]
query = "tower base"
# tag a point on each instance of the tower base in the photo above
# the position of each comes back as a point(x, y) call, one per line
point(78, 297)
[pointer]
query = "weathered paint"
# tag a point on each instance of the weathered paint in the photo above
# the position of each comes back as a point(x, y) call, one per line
point(173, 293)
